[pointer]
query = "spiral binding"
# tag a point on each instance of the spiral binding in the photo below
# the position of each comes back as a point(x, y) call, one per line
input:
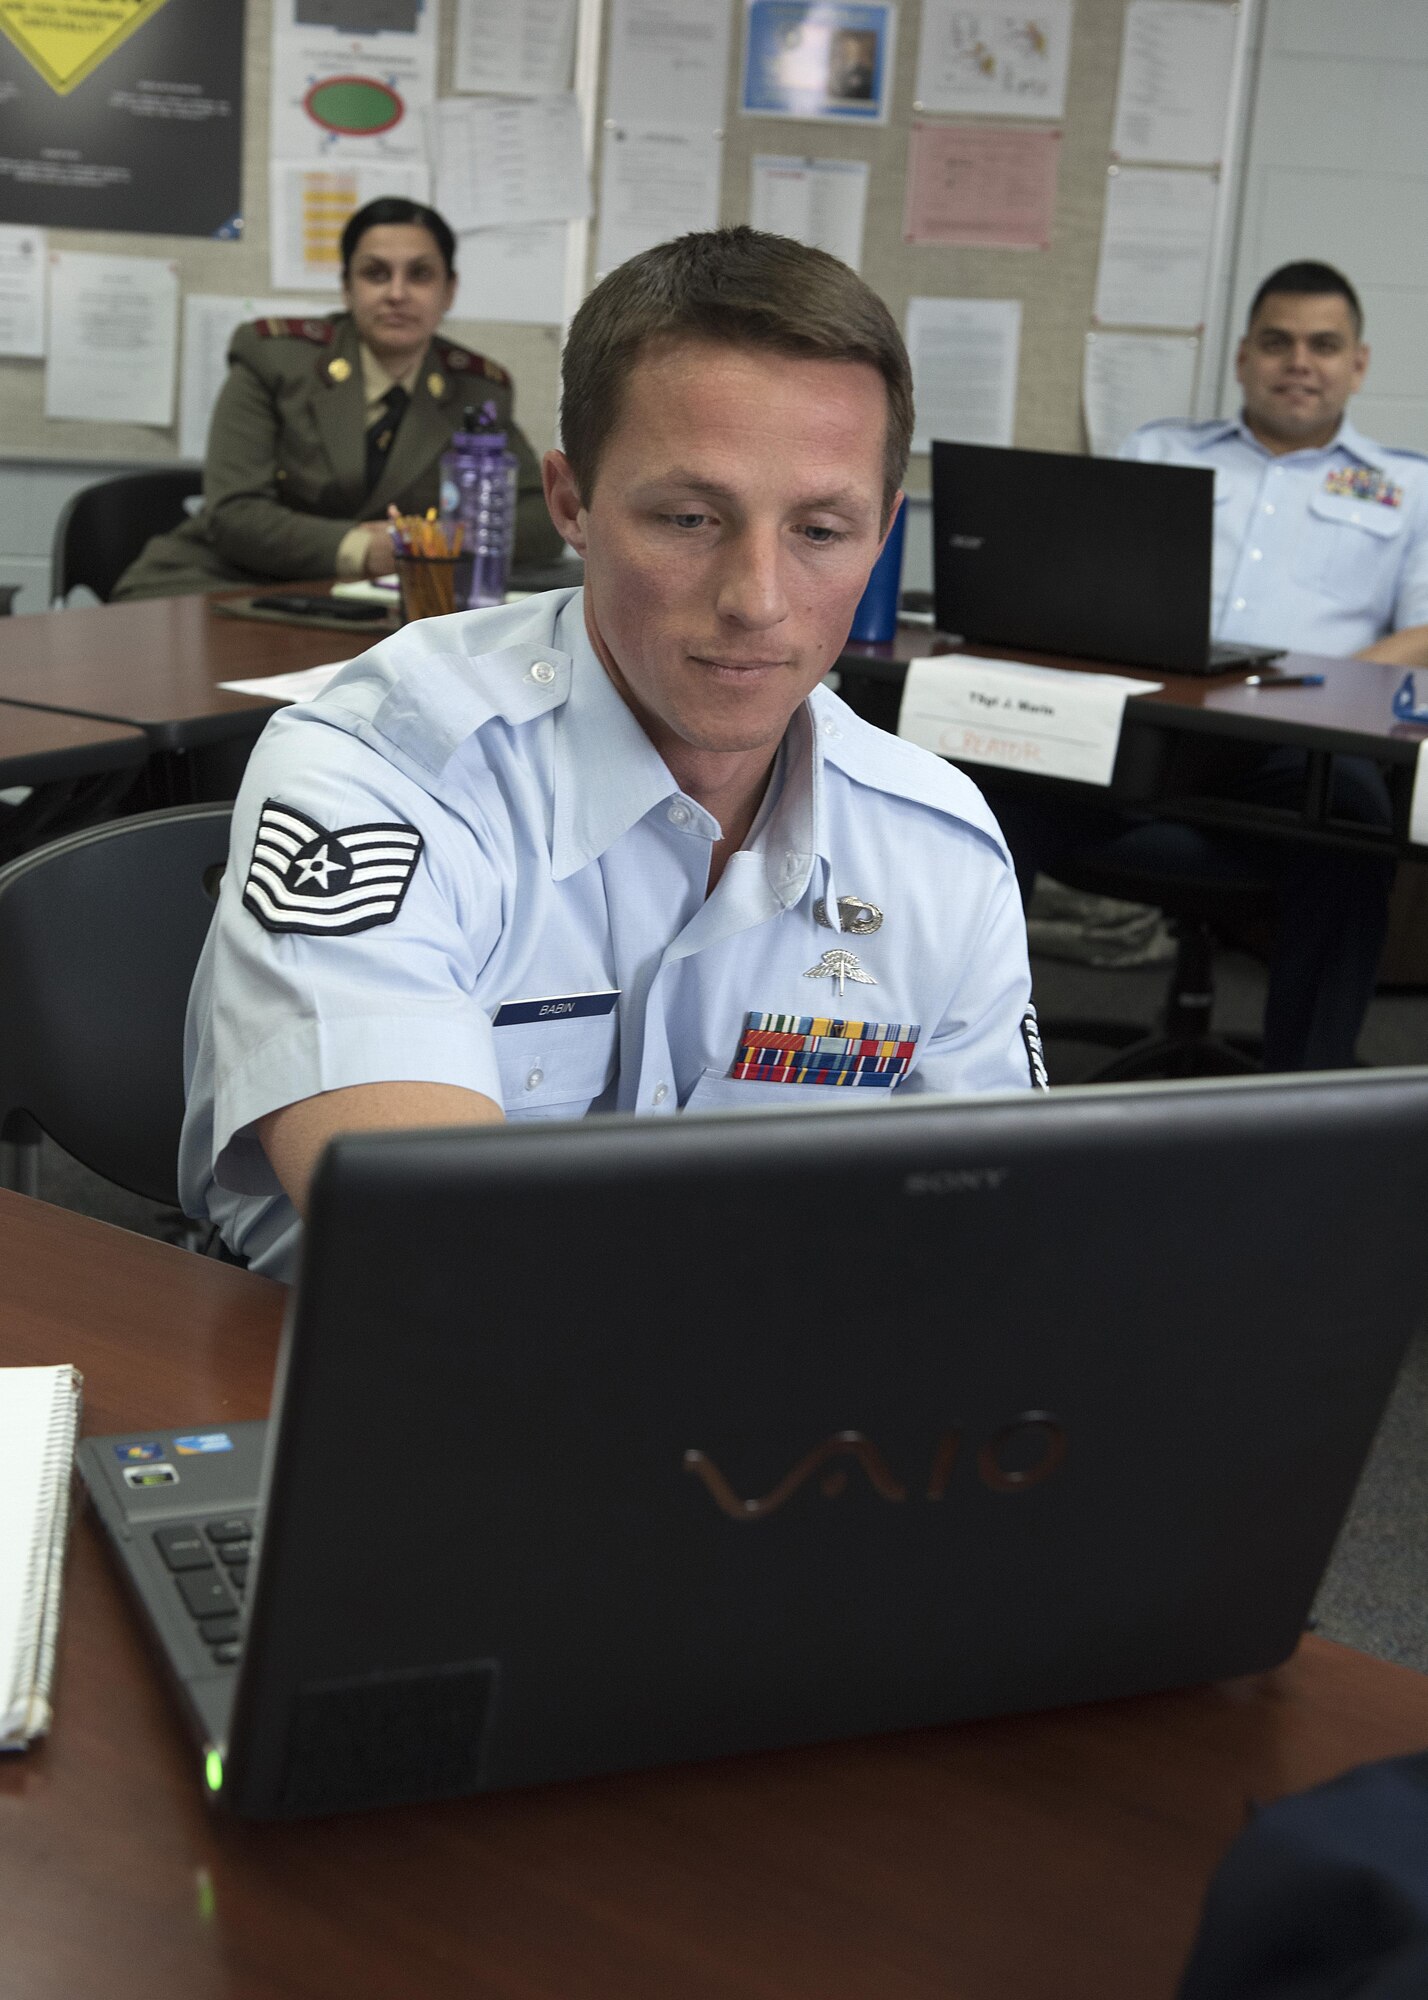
point(40, 1607)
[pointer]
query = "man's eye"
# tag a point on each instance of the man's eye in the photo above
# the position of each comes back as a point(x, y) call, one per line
point(686, 520)
point(822, 538)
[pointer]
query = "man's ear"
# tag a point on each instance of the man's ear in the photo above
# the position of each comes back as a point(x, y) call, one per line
point(562, 497)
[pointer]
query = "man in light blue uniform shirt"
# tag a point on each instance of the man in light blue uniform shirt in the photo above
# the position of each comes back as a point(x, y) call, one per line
point(1321, 535)
point(617, 849)
point(1320, 546)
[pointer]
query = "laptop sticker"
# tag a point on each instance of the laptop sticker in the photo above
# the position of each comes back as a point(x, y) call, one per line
point(150, 1475)
point(139, 1454)
point(198, 1441)
point(560, 1007)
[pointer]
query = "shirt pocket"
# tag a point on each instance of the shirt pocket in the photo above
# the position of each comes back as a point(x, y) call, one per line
point(716, 1090)
point(1351, 550)
point(555, 1069)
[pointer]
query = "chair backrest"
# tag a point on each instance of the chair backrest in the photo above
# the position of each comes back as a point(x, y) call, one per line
point(99, 936)
point(103, 527)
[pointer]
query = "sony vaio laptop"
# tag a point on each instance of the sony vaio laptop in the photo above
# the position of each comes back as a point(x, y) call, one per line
point(1099, 558)
point(603, 1445)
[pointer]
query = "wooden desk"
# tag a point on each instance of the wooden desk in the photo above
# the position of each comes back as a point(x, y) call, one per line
point(156, 665)
point(1055, 1857)
point(1169, 737)
point(38, 746)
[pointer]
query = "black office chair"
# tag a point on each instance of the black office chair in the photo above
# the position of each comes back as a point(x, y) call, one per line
point(103, 527)
point(99, 936)
point(1181, 1044)
point(8, 593)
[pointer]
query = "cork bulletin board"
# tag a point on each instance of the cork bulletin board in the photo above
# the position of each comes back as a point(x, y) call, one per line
point(1055, 285)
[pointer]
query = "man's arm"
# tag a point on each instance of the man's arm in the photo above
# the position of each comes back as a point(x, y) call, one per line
point(294, 1137)
point(1408, 648)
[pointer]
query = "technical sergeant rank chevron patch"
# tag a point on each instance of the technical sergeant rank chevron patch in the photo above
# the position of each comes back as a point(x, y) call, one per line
point(303, 878)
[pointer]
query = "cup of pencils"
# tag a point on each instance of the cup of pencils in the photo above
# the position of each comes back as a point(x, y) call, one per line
point(433, 571)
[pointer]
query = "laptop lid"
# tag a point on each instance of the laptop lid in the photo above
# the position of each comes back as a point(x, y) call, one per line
point(1099, 558)
point(623, 1442)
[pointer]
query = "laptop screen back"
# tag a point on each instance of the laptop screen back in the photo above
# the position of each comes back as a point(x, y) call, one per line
point(1097, 558)
point(617, 1443)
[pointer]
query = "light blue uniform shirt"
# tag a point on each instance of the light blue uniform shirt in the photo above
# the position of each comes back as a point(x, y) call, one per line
point(558, 857)
point(1321, 551)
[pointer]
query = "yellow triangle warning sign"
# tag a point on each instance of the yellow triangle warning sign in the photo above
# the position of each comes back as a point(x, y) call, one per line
point(67, 39)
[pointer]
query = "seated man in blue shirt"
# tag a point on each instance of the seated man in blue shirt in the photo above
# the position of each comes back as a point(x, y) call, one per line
point(1321, 546)
point(617, 848)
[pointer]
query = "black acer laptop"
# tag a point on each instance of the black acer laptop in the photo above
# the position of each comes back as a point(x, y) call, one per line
point(603, 1445)
point(1098, 558)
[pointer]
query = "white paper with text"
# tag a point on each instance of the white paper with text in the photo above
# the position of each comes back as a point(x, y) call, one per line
point(1050, 720)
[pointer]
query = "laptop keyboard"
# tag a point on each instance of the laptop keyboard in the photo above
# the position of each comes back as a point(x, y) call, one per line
point(209, 1561)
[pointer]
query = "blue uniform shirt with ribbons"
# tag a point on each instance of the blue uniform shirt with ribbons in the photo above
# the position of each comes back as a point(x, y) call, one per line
point(466, 863)
point(1322, 550)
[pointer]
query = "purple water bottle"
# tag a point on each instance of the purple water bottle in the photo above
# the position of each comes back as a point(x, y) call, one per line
point(478, 490)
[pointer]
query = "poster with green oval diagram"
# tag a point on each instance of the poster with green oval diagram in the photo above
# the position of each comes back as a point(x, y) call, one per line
point(122, 115)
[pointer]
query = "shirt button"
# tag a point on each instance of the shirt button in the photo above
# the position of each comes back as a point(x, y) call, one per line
point(660, 1093)
point(1269, 506)
point(1239, 604)
point(1256, 555)
point(535, 1079)
point(679, 814)
point(542, 672)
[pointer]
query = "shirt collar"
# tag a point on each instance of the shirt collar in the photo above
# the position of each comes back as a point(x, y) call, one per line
point(608, 775)
point(375, 379)
point(1346, 439)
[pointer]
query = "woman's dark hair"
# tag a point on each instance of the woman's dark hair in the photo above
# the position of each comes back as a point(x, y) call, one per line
point(394, 208)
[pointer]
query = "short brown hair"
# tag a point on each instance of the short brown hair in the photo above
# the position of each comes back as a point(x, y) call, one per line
point(735, 285)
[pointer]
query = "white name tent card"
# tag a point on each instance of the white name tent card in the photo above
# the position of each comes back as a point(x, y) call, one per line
point(1023, 718)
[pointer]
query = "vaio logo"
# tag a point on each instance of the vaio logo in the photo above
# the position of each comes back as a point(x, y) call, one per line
point(1035, 1428)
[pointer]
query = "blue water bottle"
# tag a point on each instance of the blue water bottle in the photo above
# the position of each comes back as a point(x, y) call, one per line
point(876, 616)
point(478, 491)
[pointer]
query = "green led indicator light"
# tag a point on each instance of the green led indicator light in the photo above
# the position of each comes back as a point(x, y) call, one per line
point(213, 1770)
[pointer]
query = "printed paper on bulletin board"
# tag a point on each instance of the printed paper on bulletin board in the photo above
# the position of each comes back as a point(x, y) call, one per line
point(975, 186)
point(122, 115)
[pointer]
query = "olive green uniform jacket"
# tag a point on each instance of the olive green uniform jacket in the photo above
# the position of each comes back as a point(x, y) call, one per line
point(284, 477)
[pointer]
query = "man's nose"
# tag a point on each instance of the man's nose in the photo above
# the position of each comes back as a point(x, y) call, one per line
point(751, 586)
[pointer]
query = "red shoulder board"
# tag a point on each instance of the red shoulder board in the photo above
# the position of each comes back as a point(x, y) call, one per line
point(461, 361)
point(318, 331)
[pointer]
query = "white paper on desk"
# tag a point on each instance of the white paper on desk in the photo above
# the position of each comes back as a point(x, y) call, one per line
point(964, 356)
point(1174, 86)
point(209, 324)
point(525, 50)
point(1021, 718)
point(309, 205)
point(1130, 379)
point(303, 685)
point(513, 274)
point(819, 202)
point(989, 59)
point(113, 338)
point(656, 181)
point(22, 292)
point(1155, 248)
point(386, 74)
point(502, 162)
point(670, 57)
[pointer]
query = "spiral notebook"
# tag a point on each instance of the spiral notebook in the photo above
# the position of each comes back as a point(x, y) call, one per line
point(39, 1416)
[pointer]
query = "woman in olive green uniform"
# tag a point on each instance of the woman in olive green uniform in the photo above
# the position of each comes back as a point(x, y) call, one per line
point(324, 422)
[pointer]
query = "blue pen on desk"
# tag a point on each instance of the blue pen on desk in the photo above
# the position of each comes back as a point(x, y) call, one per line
point(1283, 680)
